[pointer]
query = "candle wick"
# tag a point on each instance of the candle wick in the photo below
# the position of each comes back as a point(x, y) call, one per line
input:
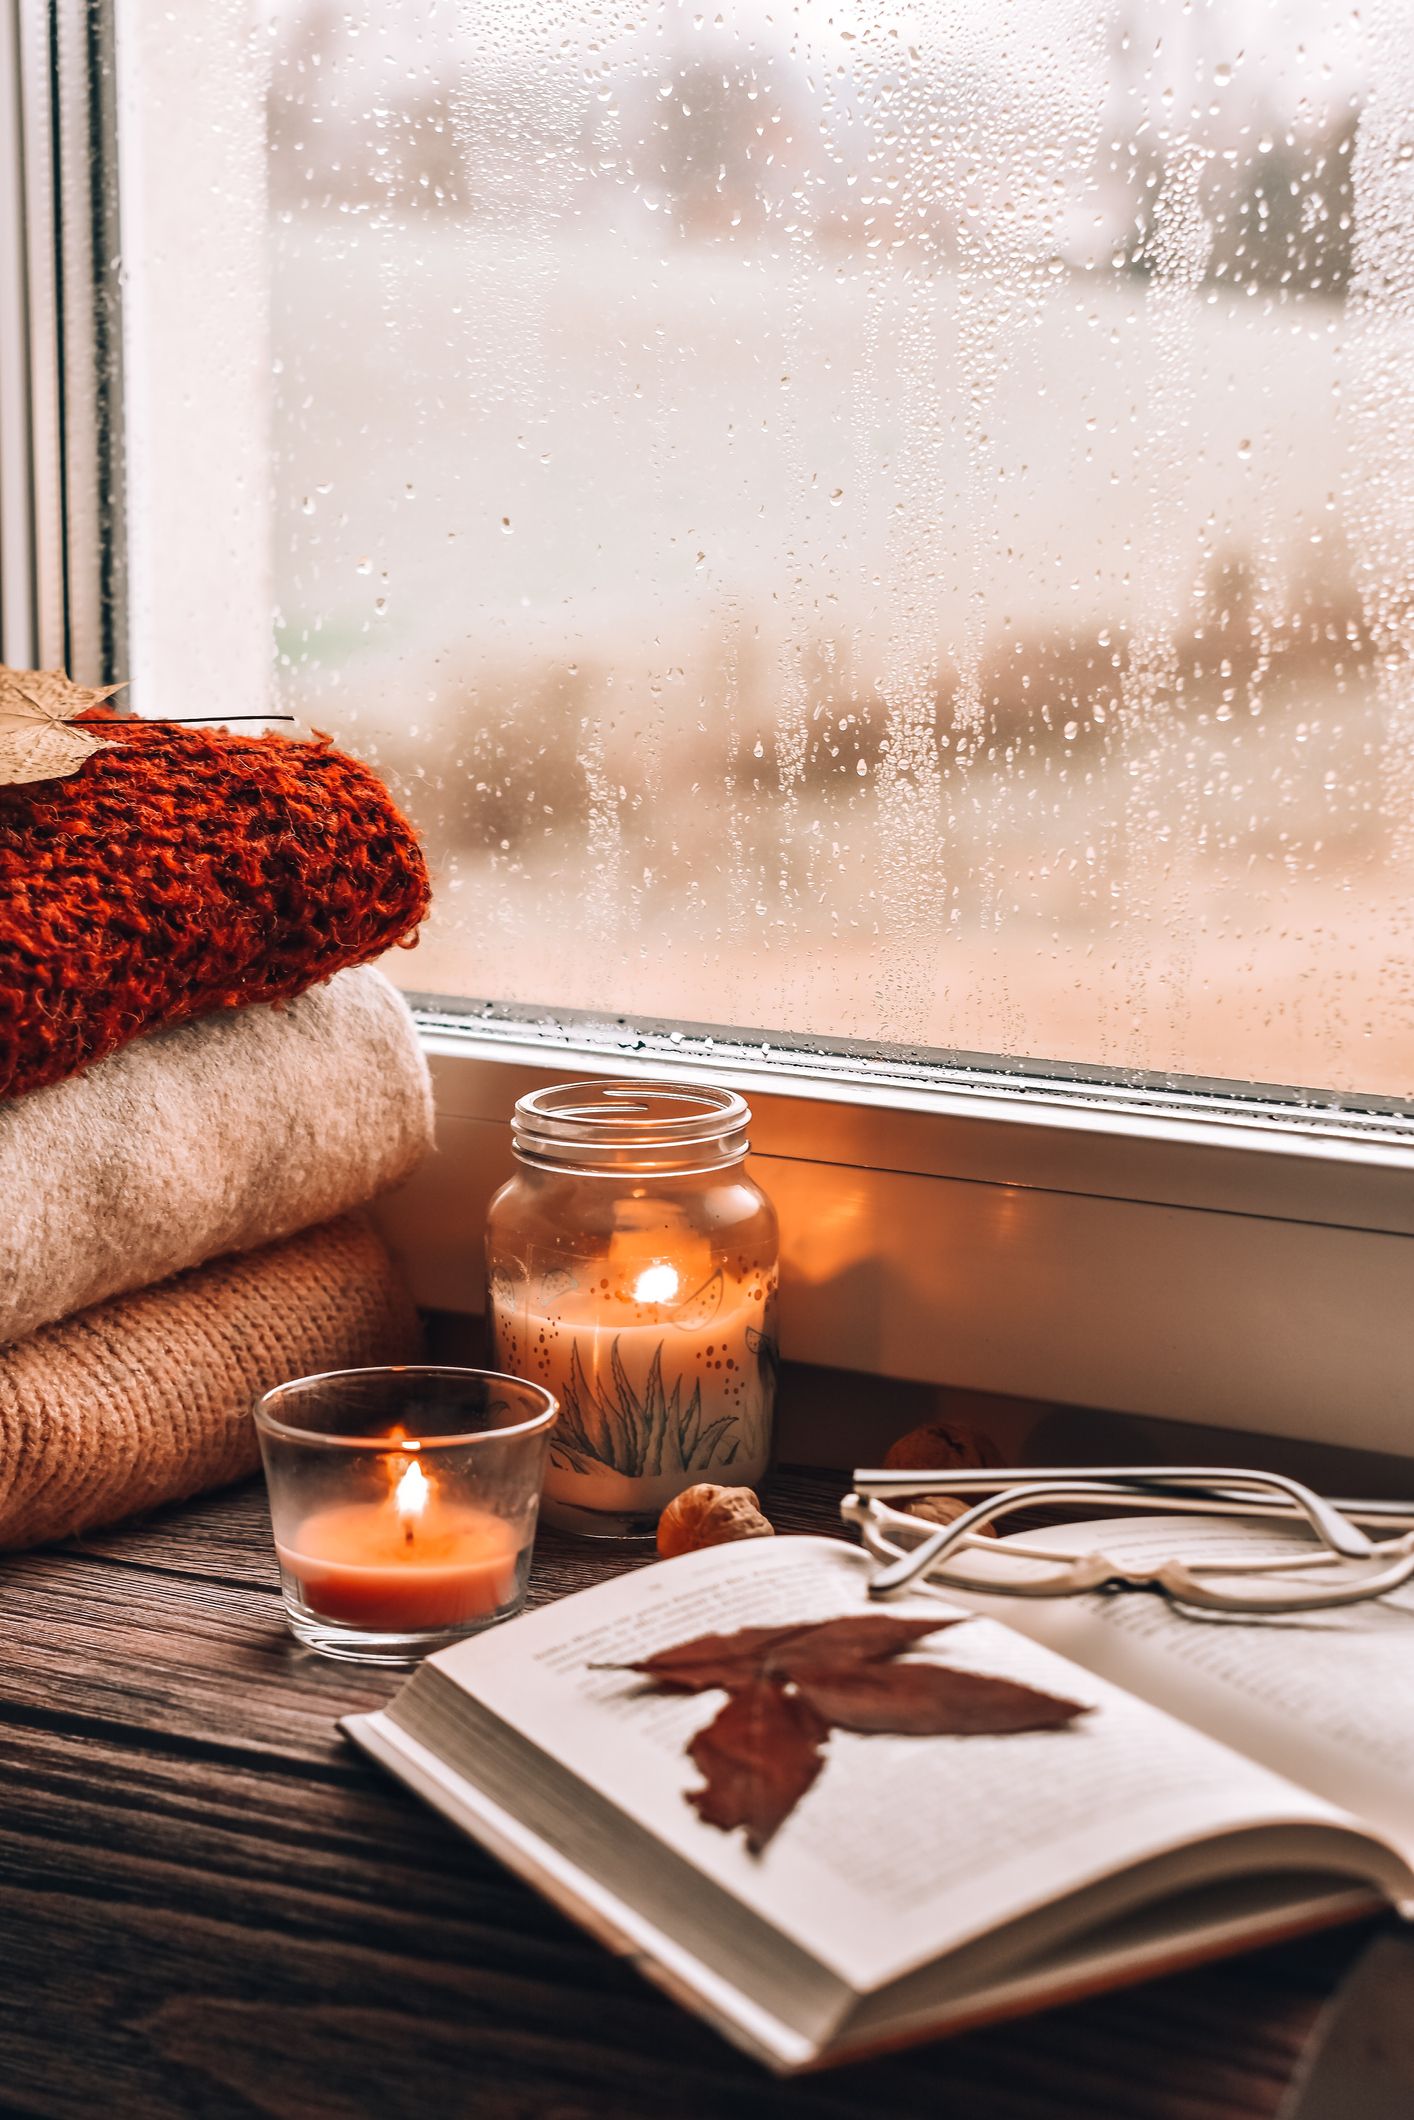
point(407, 1534)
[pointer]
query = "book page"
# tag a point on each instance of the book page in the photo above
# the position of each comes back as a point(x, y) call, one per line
point(1325, 1698)
point(905, 1846)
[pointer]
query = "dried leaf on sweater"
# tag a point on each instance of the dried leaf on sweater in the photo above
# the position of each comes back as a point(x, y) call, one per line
point(39, 737)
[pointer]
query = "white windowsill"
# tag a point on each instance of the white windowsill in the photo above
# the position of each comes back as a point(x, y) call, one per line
point(1117, 1250)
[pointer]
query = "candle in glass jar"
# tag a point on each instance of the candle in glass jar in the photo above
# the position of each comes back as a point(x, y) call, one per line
point(663, 1378)
point(632, 1267)
point(406, 1562)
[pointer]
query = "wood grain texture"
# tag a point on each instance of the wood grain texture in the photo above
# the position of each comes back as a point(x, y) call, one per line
point(211, 1905)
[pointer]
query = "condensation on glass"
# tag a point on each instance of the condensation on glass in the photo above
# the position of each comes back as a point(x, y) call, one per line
point(889, 523)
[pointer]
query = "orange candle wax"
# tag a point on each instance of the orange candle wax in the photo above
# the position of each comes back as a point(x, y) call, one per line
point(404, 1565)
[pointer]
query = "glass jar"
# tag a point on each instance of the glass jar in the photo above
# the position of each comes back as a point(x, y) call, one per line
point(632, 1270)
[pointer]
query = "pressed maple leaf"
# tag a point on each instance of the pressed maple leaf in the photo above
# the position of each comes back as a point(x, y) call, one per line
point(932, 1700)
point(788, 1687)
point(715, 1659)
point(757, 1758)
point(39, 738)
point(840, 1644)
point(783, 1652)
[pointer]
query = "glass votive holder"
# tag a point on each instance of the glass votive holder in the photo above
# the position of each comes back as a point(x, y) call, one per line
point(403, 1503)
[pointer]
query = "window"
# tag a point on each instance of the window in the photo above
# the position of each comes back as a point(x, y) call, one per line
point(892, 522)
point(882, 531)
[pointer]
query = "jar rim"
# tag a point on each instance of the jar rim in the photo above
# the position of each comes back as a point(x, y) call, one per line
point(609, 1124)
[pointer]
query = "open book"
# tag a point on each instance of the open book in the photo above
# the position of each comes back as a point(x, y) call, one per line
point(1234, 1783)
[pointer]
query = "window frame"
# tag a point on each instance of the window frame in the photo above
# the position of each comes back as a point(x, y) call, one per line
point(1190, 1254)
point(63, 510)
point(32, 588)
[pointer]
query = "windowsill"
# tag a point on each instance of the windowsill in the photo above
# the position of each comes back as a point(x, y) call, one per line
point(1252, 1273)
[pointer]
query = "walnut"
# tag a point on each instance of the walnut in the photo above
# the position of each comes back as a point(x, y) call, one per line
point(941, 1444)
point(710, 1516)
point(945, 1509)
point(936, 1449)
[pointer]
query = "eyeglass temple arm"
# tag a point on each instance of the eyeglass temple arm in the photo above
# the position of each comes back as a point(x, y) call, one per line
point(898, 1574)
point(1325, 1518)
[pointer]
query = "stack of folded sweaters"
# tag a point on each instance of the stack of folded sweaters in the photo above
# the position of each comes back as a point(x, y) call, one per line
point(198, 1091)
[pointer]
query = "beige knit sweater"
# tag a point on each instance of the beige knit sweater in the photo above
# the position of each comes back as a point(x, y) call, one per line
point(148, 1398)
point(219, 1135)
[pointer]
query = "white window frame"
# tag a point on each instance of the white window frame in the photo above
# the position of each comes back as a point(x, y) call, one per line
point(60, 371)
point(1202, 1256)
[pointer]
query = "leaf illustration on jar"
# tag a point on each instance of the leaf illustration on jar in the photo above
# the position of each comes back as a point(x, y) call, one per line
point(606, 1420)
point(554, 1284)
point(702, 1305)
point(766, 1351)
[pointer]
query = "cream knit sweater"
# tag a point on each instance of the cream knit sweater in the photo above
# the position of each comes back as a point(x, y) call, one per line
point(224, 1133)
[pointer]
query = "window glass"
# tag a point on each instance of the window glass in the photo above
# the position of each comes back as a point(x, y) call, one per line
point(876, 522)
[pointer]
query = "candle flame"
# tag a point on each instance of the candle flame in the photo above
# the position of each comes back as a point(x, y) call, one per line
point(656, 1284)
point(411, 1493)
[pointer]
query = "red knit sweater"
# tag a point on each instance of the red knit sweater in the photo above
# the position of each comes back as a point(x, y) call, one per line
point(183, 870)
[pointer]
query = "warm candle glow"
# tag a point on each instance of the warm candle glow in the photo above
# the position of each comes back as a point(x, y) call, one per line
point(411, 1558)
point(656, 1284)
point(653, 1258)
point(410, 1494)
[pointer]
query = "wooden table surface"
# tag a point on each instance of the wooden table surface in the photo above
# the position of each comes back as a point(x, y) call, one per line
point(211, 1905)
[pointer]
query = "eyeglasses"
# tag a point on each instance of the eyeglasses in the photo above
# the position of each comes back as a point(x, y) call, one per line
point(1346, 1566)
